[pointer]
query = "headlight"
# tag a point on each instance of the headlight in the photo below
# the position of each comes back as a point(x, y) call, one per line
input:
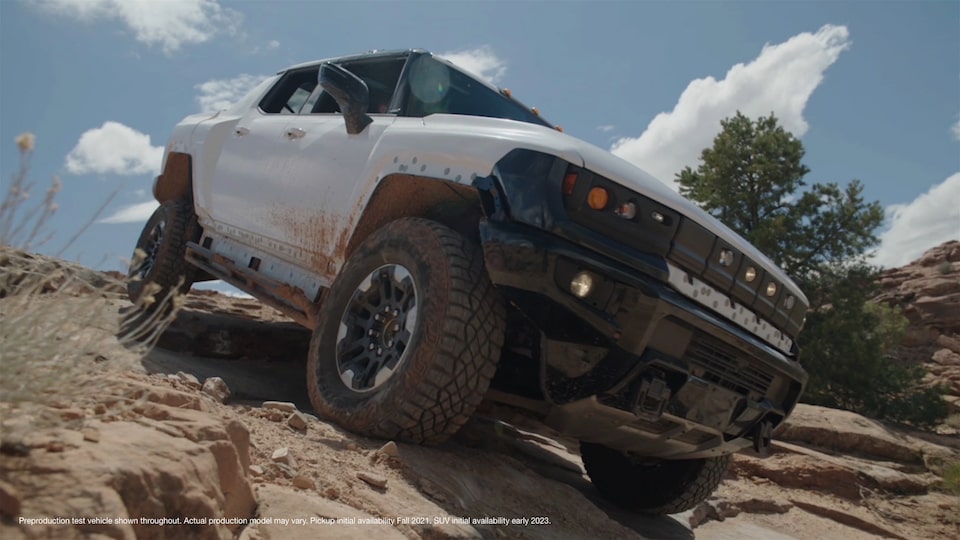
point(726, 257)
point(627, 210)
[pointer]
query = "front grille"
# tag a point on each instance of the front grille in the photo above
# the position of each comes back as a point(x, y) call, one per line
point(727, 367)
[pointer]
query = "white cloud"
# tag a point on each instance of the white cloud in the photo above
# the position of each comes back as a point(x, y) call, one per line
point(929, 220)
point(606, 128)
point(482, 62)
point(134, 213)
point(955, 129)
point(114, 148)
point(780, 80)
point(169, 24)
point(218, 94)
point(271, 45)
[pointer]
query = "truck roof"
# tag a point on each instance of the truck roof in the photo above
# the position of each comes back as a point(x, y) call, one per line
point(369, 54)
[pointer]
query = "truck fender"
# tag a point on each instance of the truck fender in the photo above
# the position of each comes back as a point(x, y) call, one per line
point(176, 181)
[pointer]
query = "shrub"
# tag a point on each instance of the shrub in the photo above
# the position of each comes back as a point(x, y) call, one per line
point(48, 308)
point(951, 477)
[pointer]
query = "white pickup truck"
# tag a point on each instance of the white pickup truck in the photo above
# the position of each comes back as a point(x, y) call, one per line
point(445, 245)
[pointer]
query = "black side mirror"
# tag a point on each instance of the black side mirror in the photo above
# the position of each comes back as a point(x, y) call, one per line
point(350, 93)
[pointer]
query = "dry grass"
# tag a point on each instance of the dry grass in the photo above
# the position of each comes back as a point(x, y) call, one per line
point(52, 312)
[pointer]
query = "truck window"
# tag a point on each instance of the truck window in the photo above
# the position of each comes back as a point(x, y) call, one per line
point(381, 76)
point(435, 88)
point(290, 92)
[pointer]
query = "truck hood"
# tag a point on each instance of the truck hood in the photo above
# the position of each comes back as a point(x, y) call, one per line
point(602, 162)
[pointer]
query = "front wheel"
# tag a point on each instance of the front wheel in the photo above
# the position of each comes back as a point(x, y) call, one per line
point(652, 486)
point(409, 336)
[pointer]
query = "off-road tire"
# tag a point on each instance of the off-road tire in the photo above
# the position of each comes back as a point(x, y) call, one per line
point(168, 267)
point(445, 369)
point(652, 486)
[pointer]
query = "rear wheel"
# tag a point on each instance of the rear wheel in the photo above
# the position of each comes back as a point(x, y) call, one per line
point(158, 266)
point(409, 336)
point(653, 486)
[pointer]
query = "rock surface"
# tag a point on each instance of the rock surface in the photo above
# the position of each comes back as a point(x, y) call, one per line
point(151, 461)
point(141, 445)
point(928, 293)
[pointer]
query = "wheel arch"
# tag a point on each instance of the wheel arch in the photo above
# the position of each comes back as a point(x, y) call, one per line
point(400, 195)
point(176, 180)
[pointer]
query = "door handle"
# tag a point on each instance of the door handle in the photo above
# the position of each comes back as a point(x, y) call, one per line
point(295, 133)
point(241, 131)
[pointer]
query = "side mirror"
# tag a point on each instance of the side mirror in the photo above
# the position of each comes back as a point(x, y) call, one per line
point(350, 93)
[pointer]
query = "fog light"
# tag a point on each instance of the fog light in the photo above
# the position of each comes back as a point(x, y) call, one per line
point(626, 210)
point(657, 216)
point(750, 274)
point(789, 302)
point(771, 288)
point(582, 284)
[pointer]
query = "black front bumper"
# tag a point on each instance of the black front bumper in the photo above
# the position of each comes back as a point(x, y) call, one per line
point(635, 365)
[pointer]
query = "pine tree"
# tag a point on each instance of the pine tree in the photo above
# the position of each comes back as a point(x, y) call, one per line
point(752, 179)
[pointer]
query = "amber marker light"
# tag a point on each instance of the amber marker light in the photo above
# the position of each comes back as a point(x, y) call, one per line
point(569, 183)
point(598, 198)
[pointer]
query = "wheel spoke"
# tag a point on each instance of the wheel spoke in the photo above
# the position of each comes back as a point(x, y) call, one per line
point(369, 301)
point(386, 284)
point(355, 372)
point(403, 337)
point(382, 375)
point(150, 250)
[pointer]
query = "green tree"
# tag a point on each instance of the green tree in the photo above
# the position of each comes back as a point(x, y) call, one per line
point(752, 179)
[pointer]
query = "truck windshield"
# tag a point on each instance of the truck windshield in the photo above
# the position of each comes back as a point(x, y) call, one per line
point(435, 88)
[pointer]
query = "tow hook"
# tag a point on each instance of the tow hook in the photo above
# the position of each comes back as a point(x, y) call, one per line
point(652, 398)
point(762, 435)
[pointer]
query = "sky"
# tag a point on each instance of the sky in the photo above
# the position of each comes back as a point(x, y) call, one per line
point(871, 88)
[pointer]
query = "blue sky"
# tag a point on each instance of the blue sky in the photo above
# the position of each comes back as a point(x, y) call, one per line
point(872, 88)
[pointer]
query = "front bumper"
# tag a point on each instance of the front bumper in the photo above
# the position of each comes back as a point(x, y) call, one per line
point(642, 368)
